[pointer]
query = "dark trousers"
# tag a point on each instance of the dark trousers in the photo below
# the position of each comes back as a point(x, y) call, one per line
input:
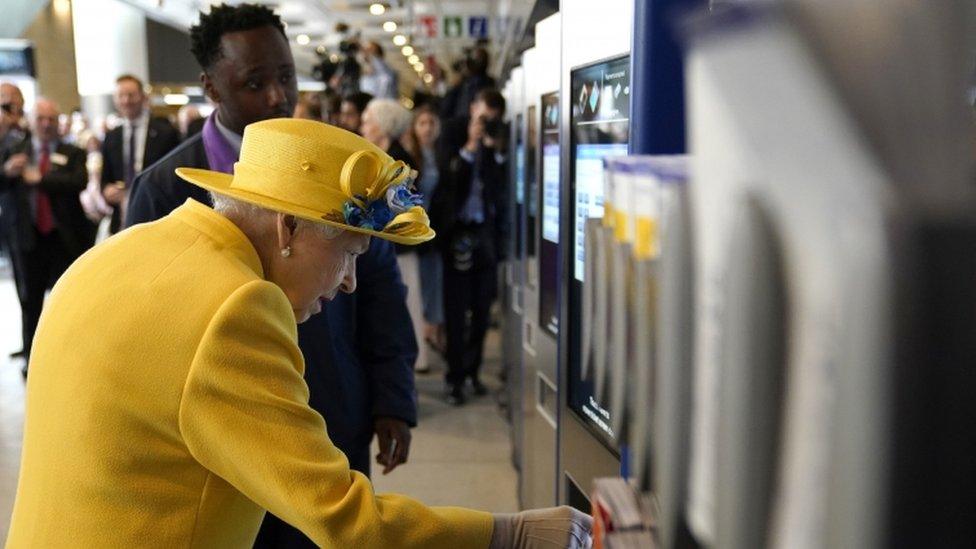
point(467, 307)
point(278, 534)
point(36, 271)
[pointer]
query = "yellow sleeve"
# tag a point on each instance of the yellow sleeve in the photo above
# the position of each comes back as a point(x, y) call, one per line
point(245, 416)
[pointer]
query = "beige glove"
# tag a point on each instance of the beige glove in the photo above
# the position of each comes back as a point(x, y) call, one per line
point(553, 528)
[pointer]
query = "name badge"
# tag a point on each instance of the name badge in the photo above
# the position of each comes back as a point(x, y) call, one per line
point(59, 159)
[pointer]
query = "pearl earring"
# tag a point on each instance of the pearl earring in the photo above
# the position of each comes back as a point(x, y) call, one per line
point(286, 251)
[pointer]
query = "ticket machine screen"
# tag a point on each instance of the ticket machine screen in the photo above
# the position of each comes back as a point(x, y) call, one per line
point(599, 128)
point(549, 235)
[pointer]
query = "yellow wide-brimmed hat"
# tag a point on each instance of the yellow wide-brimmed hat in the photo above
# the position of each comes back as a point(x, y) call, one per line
point(325, 174)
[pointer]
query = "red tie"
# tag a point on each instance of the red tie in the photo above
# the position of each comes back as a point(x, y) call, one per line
point(44, 217)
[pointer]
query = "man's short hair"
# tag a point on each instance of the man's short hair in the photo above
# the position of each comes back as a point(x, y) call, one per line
point(131, 78)
point(205, 36)
point(359, 99)
point(493, 99)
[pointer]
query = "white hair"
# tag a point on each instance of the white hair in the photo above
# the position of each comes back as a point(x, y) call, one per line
point(391, 117)
point(247, 212)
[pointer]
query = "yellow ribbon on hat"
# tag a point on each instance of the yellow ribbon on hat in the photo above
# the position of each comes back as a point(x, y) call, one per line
point(365, 178)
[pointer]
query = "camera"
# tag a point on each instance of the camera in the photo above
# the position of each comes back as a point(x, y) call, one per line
point(495, 128)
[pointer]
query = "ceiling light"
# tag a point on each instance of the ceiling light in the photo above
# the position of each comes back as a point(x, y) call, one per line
point(407, 51)
point(413, 59)
point(320, 50)
point(175, 99)
point(428, 78)
point(303, 39)
point(400, 40)
point(419, 67)
point(389, 26)
point(377, 9)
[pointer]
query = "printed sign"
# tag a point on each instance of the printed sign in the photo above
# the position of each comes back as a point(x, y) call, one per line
point(453, 27)
point(478, 27)
point(427, 25)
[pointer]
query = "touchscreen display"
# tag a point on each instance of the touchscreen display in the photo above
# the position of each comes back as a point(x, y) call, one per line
point(549, 235)
point(599, 127)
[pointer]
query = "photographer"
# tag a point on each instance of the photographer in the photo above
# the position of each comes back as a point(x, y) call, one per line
point(378, 79)
point(465, 212)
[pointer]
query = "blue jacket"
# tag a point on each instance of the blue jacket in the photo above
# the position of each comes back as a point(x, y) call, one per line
point(359, 352)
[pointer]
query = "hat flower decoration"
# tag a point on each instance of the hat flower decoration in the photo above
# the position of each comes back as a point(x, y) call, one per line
point(388, 197)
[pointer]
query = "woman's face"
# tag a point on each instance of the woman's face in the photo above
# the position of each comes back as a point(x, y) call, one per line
point(426, 128)
point(371, 130)
point(317, 269)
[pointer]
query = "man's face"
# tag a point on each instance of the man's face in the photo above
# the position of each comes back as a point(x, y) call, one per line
point(46, 120)
point(254, 79)
point(129, 99)
point(349, 117)
point(480, 110)
point(11, 106)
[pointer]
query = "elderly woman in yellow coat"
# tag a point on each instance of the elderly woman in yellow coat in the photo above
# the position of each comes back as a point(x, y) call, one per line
point(165, 403)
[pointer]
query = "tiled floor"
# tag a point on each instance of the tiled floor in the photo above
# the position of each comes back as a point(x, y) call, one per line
point(459, 456)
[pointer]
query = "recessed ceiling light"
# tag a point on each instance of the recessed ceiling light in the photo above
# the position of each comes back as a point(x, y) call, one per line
point(419, 67)
point(320, 50)
point(377, 9)
point(400, 40)
point(413, 59)
point(428, 78)
point(303, 39)
point(389, 26)
point(407, 51)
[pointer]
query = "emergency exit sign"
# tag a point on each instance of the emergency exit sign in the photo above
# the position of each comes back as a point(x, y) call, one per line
point(453, 27)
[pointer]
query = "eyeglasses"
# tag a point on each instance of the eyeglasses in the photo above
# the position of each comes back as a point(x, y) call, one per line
point(7, 108)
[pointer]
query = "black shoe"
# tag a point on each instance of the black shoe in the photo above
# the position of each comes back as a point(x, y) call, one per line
point(479, 388)
point(18, 354)
point(456, 396)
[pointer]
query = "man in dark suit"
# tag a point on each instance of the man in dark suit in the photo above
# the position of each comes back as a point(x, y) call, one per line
point(465, 212)
point(136, 144)
point(359, 352)
point(51, 229)
point(14, 138)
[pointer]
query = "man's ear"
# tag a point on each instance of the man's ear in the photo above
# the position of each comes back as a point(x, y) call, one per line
point(286, 226)
point(208, 87)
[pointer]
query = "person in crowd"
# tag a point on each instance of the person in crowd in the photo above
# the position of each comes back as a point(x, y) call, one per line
point(14, 139)
point(384, 120)
point(214, 427)
point(92, 200)
point(309, 107)
point(189, 121)
point(476, 78)
point(359, 353)
point(331, 104)
point(351, 111)
point(51, 229)
point(465, 211)
point(140, 141)
point(378, 79)
point(426, 130)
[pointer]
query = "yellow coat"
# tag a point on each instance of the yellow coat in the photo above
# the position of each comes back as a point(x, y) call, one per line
point(166, 408)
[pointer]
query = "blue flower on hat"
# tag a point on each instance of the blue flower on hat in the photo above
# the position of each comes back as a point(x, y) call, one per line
point(374, 216)
point(400, 198)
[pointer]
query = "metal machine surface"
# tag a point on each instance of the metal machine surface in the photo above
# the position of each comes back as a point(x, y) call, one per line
point(592, 32)
point(510, 284)
point(540, 400)
point(813, 251)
